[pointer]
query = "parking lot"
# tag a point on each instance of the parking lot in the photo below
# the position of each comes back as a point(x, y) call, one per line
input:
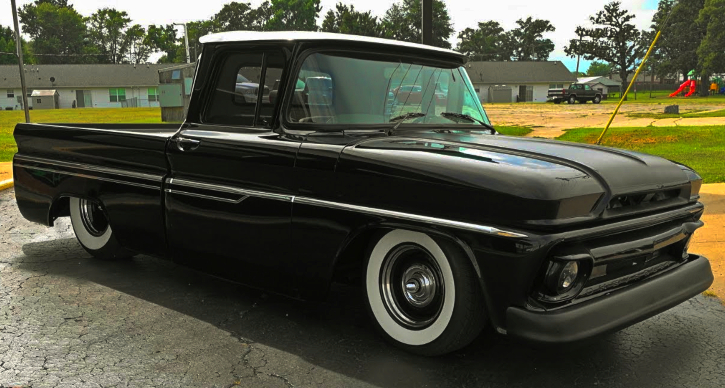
point(67, 320)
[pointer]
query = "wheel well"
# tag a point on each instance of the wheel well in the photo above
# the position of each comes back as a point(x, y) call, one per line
point(59, 208)
point(348, 267)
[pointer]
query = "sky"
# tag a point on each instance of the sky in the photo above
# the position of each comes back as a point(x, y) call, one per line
point(565, 15)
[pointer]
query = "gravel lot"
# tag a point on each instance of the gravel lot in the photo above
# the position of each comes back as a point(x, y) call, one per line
point(67, 320)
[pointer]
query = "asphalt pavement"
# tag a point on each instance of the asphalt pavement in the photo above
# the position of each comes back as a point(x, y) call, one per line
point(67, 320)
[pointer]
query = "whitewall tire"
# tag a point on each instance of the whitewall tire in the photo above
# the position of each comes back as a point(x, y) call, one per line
point(93, 230)
point(422, 294)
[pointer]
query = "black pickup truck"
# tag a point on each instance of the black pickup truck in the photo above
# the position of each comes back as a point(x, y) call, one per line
point(575, 93)
point(445, 225)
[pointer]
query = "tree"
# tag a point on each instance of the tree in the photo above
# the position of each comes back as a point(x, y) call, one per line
point(238, 16)
point(402, 21)
point(489, 42)
point(528, 41)
point(138, 43)
point(57, 30)
point(107, 30)
point(599, 69)
point(346, 20)
point(293, 15)
point(196, 31)
point(612, 39)
point(676, 49)
point(7, 45)
point(712, 49)
point(163, 38)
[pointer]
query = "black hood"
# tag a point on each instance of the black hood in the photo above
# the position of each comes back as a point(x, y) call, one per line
point(548, 180)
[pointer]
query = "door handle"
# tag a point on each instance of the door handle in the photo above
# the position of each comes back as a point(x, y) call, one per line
point(184, 144)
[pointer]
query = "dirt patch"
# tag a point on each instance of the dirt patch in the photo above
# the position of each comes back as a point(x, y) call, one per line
point(709, 241)
point(550, 120)
point(6, 171)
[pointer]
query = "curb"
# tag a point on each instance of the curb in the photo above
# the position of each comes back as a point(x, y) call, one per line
point(6, 184)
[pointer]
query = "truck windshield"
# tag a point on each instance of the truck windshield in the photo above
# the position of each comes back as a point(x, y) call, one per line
point(337, 89)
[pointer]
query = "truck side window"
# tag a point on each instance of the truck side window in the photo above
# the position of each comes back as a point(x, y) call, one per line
point(234, 98)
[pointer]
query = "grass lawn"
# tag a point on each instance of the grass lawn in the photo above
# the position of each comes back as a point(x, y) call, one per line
point(664, 98)
point(513, 130)
point(8, 119)
point(693, 114)
point(702, 148)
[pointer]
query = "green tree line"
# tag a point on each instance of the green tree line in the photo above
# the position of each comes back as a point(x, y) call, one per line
point(692, 38)
point(60, 34)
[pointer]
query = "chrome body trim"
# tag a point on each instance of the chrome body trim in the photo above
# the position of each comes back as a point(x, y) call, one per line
point(229, 189)
point(332, 205)
point(227, 200)
point(90, 167)
point(411, 217)
point(81, 175)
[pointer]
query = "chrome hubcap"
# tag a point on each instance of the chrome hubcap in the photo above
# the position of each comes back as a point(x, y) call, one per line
point(419, 285)
point(94, 220)
point(411, 286)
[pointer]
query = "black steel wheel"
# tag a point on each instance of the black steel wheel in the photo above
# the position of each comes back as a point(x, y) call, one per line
point(93, 230)
point(422, 293)
point(572, 99)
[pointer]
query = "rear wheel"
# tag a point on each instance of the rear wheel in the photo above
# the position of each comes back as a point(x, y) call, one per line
point(93, 231)
point(422, 295)
point(597, 99)
point(572, 99)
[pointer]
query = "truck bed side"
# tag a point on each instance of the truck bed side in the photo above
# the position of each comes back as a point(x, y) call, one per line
point(122, 165)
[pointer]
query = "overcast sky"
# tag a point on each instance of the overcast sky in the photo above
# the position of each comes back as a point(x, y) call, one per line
point(565, 15)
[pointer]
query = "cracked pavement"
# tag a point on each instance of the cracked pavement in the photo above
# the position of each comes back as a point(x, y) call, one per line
point(67, 320)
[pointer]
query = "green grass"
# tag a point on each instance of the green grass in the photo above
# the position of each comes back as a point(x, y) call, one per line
point(8, 120)
point(513, 130)
point(663, 97)
point(701, 148)
point(692, 114)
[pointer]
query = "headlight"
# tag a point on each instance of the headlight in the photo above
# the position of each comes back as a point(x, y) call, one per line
point(568, 276)
point(564, 279)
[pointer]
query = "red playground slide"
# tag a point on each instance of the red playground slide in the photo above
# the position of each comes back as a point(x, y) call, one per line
point(688, 83)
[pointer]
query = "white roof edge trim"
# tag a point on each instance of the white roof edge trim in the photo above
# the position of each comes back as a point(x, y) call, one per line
point(252, 36)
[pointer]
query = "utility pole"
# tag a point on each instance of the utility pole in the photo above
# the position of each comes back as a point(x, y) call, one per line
point(427, 22)
point(19, 47)
point(578, 57)
point(186, 40)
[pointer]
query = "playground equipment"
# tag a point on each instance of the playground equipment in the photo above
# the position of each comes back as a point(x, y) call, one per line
point(689, 83)
point(692, 84)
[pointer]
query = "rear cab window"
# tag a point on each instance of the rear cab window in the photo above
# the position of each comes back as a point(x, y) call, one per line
point(245, 89)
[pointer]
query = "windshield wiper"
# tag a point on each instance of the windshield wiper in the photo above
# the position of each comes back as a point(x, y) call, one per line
point(469, 118)
point(407, 116)
point(401, 118)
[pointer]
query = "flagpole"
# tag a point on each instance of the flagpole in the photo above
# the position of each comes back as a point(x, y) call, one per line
point(18, 45)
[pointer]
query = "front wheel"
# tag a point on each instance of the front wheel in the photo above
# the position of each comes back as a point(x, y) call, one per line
point(93, 231)
point(597, 99)
point(423, 296)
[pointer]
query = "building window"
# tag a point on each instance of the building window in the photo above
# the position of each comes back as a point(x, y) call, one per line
point(39, 101)
point(153, 94)
point(11, 93)
point(30, 92)
point(556, 86)
point(117, 95)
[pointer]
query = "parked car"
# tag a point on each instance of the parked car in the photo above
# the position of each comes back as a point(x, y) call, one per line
point(575, 93)
point(246, 91)
point(413, 94)
point(445, 226)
